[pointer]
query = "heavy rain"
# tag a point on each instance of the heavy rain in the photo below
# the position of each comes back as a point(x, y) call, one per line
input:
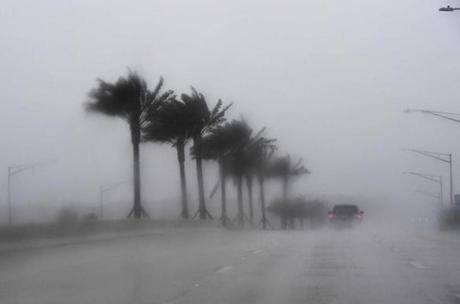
point(271, 151)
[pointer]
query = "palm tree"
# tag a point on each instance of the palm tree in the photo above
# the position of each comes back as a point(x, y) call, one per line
point(248, 178)
point(217, 146)
point(237, 170)
point(202, 121)
point(130, 99)
point(284, 169)
point(238, 162)
point(241, 154)
point(170, 124)
point(228, 145)
point(261, 151)
point(242, 162)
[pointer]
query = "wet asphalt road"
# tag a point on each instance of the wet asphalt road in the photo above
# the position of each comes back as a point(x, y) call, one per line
point(209, 265)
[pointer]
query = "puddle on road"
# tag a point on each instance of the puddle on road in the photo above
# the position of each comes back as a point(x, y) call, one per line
point(224, 269)
point(417, 265)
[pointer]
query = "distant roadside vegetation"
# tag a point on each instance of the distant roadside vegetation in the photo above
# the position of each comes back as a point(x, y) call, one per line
point(299, 212)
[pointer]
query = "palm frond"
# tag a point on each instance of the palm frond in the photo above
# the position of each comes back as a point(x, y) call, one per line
point(168, 123)
point(204, 120)
point(158, 87)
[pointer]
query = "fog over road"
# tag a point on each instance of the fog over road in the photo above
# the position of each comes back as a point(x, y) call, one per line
point(210, 265)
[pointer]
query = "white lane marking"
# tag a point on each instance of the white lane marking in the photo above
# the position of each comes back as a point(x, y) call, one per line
point(224, 269)
point(417, 265)
point(396, 249)
point(256, 251)
point(197, 285)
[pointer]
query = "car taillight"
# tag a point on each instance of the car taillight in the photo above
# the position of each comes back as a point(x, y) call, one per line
point(331, 215)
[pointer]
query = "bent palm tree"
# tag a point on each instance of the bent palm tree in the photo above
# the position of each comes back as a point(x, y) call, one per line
point(227, 145)
point(248, 178)
point(261, 151)
point(256, 146)
point(170, 124)
point(217, 146)
point(128, 98)
point(202, 121)
point(240, 165)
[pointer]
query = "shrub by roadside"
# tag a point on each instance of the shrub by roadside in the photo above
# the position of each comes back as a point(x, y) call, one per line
point(449, 219)
point(300, 209)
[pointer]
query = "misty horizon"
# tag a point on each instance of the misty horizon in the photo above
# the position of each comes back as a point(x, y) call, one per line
point(332, 97)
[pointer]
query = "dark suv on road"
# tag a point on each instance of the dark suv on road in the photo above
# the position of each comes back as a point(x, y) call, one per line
point(345, 214)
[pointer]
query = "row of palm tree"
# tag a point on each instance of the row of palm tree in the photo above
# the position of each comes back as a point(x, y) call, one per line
point(156, 116)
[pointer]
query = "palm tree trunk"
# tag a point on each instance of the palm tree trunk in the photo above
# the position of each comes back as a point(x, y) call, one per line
point(240, 200)
point(284, 220)
point(183, 181)
point(262, 202)
point(137, 208)
point(199, 172)
point(285, 188)
point(291, 222)
point(137, 211)
point(251, 207)
point(223, 193)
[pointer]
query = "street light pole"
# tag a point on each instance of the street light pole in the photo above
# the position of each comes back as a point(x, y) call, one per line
point(433, 195)
point(10, 218)
point(101, 202)
point(443, 157)
point(102, 190)
point(451, 182)
point(440, 191)
point(445, 115)
point(13, 170)
point(434, 178)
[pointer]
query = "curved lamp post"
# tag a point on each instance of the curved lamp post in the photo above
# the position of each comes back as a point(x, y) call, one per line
point(102, 190)
point(433, 178)
point(13, 170)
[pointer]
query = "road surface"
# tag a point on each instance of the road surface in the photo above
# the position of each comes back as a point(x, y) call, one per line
point(210, 265)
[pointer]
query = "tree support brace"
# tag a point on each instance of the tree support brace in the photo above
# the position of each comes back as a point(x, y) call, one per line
point(267, 223)
point(143, 213)
point(206, 214)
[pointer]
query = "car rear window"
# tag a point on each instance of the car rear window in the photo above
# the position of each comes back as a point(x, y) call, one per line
point(345, 209)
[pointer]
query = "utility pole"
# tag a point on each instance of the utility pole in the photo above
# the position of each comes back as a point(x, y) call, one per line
point(10, 215)
point(445, 158)
point(444, 115)
point(433, 178)
point(451, 182)
point(13, 170)
point(102, 190)
point(101, 202)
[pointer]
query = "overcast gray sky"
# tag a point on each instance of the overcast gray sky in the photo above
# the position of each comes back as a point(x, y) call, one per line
point(328, 78)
